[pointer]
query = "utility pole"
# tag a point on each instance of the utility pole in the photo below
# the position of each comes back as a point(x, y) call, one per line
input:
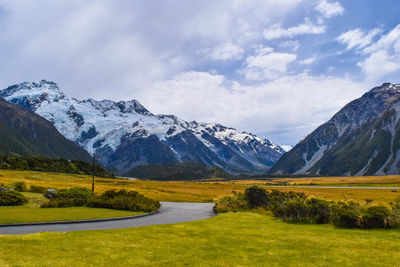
point(94, 156)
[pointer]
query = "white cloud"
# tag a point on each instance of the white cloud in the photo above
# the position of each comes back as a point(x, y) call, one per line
point(226, 51)
point(329, 9)
point(267, 64)
point(381, 57)
point(116, 49)
point(379, 64)
point(308, 27)
point(307, 61)
point(357, 39)
point(276, 109)
point(293, 45)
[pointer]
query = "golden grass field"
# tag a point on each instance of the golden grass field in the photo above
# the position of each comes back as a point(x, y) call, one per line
point(209, 191)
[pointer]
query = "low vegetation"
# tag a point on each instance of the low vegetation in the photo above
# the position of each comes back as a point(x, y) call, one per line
point(31, 212)
point(177, 172)
point(12, 198)
point(123, 200)
point(296, 207)
point(111, 199)
point(50, 165)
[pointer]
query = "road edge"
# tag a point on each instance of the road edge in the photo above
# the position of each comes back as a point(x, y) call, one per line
point(78, 221)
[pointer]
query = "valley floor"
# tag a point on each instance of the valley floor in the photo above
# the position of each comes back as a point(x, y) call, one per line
point(230, 239)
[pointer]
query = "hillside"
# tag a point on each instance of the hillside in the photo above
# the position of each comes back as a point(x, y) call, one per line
point(25, 133)
point(363, 138)
point(125, 134)
point(176, 172)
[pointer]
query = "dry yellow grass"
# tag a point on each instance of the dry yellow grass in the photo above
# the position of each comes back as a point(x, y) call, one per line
point(208, 191)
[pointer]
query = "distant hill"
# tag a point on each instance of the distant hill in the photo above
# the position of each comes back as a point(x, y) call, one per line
point(363, 138)
point(181, 171)
point(51, 165)
point(25, 133)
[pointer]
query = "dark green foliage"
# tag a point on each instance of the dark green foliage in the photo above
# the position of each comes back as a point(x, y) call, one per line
point(37, 189)
point(123, 200)
point(256, 196)
point(296, 207)
point(345, 215)
point(12, 198)
point(181, 171)
point(73, 197)
point(19, 186)
point(112, 199)
point(50, 165)
point(375, 217)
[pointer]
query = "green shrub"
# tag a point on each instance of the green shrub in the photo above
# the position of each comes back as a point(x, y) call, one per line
point(37, 189)
point(345, 215)
point(73, 197)
point(375, 217)
point(256, 196)
point(277, 198)
point(123, 200)
point(231, 203)
point(19, 186)
point(12, 198)
point(301, 210)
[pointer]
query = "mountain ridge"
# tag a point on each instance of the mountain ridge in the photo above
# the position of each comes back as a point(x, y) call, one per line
point(363, 138)
point(125, 134)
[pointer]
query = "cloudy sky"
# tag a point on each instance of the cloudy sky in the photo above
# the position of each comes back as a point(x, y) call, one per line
point(276, 68)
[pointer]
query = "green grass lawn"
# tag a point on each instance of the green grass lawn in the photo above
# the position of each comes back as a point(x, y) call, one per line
point(32, 212)
point(231, 239)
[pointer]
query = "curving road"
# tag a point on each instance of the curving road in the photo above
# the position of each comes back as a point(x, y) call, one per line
point(170, 212)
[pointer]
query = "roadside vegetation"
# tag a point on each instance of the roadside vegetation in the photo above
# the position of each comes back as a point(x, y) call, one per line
point(68, 204)
point(32, 212)
point(296, 207)
point(111, 199)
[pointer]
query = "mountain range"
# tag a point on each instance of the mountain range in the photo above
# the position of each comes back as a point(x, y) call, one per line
point(363, 138)
point(125, 134)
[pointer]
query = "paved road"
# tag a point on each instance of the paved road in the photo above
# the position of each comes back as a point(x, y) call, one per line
point(336, 187)
point(170, 212)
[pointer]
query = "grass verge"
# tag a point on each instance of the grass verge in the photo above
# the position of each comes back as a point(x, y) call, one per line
point(32, 212)
point(230, 239)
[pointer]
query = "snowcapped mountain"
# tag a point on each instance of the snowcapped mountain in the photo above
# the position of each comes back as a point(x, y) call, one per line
point(363, 138)
point(125, 134)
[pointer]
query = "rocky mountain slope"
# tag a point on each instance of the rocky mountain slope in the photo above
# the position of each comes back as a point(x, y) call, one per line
point(125, 134)
point(25, 133)
point(363, 138)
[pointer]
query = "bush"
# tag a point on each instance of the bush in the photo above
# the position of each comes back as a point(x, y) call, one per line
point(345, 215)
point(300, 210)
point(375, 217)
point(19, 186)
point(256, 196)
point(124, 200)
point(231, 203)
point(73, 197)
point(37, 189)
point(12, 198)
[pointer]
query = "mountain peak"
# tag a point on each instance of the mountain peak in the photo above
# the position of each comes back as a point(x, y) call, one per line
point(385, 87)
point(31, 94)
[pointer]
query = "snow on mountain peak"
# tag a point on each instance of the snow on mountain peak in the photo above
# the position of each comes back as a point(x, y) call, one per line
point(103, 126)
